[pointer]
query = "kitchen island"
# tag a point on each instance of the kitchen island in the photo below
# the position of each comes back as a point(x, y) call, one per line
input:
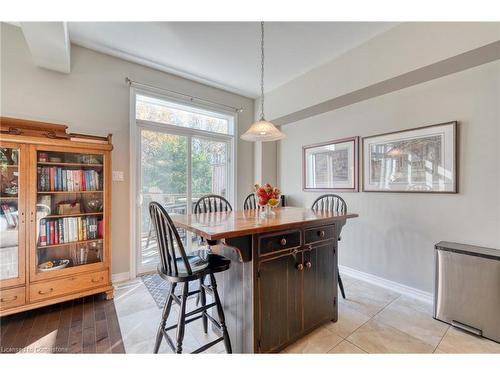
point(282, 282)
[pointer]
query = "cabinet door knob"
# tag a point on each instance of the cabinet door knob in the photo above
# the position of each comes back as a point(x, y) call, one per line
point(308, 264)
point(97, 280)
point(283, 242)
point(300, 266)
point(47, 292)
point(321, 233)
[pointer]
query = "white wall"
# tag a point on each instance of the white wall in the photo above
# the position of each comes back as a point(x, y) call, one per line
point(395, 234)
point(94, 99)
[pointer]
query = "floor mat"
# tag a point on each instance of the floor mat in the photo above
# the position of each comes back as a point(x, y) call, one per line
point(159, 288)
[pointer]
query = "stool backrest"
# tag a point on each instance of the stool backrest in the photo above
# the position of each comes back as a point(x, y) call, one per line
point(211, 203)
point(167, 237)
point(331, 203)
point(250, 203)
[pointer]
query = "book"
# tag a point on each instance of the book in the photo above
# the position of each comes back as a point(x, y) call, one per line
point(52, 233)
point(8, 211)
point(43, 233)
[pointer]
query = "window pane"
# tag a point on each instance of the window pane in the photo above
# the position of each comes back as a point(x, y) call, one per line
point(209, 168)
point(163, 179)
point(152, 109)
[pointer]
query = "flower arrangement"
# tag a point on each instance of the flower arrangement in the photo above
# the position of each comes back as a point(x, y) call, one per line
point(267, 196)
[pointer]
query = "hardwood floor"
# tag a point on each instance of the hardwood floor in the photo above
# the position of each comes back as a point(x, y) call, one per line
point(85, 325)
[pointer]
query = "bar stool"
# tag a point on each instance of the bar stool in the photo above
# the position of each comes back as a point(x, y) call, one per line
point(333, 203)
point(178, 268)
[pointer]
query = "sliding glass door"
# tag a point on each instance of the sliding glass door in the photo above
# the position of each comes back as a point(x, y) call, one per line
point(176, 166)
point(163, 179)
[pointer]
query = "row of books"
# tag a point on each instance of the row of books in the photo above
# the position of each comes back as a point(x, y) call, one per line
point(70, 229)
point(9, 210)
point(59, 179)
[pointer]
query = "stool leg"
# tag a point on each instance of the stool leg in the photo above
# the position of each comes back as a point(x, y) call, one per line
point(181, 325)
point(202, 280)
point(203, 299)
point(164, 317)
point(220, 312)
point(341, 285)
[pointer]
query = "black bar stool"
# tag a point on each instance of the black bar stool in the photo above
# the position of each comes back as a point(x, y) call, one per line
point(333, 203)
point(181, 268)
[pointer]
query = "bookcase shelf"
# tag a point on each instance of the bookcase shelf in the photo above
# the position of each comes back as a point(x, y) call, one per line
point(71, 192)
point(73, 215)
point(48, 163)
point(69, 243)
point(76, 208)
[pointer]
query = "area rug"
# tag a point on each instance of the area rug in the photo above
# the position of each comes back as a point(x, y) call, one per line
point(159, 288)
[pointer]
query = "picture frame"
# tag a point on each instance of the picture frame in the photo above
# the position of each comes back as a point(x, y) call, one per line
point(418, 160)
point(331, 166)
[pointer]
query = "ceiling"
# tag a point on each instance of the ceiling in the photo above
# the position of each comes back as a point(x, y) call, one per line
point(226, 54)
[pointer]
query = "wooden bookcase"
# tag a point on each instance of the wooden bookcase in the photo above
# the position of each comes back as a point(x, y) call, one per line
point(55, 197)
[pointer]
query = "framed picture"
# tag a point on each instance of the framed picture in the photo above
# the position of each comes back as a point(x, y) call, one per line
point(331, 166)
point(422, 160)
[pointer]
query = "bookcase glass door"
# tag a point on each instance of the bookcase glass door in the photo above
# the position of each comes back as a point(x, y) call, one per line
point(11, 233)
point(69, 210)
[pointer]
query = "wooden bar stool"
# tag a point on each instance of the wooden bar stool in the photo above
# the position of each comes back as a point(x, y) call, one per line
point(178, 268)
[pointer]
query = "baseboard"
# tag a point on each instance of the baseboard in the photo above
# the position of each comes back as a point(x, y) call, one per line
point(388, 284)
point(119, 277)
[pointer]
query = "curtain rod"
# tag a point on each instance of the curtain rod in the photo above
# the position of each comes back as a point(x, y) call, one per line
point(190, 97)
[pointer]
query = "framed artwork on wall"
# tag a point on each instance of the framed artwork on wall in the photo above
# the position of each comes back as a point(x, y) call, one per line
point(331, 166)
point(421, 160)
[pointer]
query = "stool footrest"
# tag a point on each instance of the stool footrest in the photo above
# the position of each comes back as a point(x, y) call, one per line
point(201, 309)
point(206, 346)
point(177, 299)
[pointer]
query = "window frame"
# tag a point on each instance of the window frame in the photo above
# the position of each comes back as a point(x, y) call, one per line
point(136, 125)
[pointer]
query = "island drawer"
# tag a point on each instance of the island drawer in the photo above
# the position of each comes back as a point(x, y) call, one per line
point(10, 298)
point(326, 232)
point(280, 241)
point(68, 285)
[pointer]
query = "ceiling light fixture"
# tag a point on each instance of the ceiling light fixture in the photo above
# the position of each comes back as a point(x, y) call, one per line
point(262, 130)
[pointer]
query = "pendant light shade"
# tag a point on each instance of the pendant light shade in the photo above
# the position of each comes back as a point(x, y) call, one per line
point(262, 130)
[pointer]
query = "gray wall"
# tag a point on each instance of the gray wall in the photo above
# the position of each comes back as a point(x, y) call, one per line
point(94, 99)
point(394, 236)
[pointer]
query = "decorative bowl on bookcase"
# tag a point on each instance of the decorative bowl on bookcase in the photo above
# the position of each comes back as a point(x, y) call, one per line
point(93, 203)
point(53, 265)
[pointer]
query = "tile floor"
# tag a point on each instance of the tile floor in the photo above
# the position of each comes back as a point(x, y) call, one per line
point(371, 320)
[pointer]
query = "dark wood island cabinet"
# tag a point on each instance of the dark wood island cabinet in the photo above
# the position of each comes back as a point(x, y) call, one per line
point(283, 277)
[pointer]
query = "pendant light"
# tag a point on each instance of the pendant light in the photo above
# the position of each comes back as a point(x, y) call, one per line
point(262, 130)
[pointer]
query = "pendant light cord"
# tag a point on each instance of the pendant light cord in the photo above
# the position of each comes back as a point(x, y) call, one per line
point(262, 70)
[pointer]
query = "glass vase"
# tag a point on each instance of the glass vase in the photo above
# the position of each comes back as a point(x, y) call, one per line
point(267, 212)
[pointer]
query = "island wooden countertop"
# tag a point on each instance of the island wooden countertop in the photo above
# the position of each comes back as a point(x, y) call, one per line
point(218, 225)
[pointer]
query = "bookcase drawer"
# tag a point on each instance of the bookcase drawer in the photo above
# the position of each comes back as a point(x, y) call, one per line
point(12, 298)
point(68, 285)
